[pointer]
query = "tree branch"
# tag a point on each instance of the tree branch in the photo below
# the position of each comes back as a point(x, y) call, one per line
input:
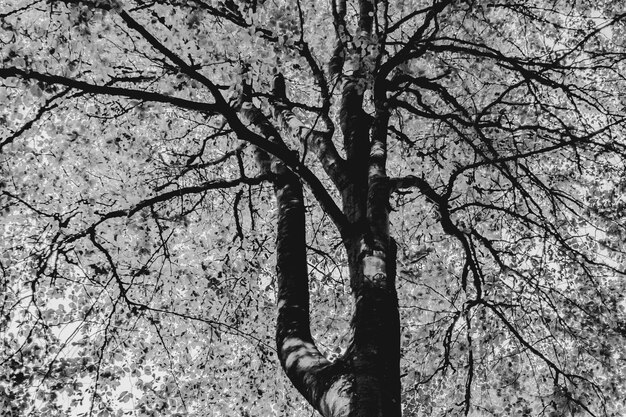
point(207, 108)
point(209, 185)
point(317, 141)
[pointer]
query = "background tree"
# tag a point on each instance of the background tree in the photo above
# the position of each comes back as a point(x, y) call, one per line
point(444, 182)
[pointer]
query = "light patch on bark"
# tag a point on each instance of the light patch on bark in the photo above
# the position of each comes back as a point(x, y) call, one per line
point(304, 355)
point(374, 269)
point(336, 400)
point(278, 167)
point(374, 170)
point(351, 66)
point(294, 124)
point(377, 150)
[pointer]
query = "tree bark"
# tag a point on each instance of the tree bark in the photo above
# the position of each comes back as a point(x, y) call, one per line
point(374, 354)
point(325, 385)
point(365, 382)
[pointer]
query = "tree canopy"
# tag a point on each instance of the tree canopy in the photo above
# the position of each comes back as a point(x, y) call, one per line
point(413, 207)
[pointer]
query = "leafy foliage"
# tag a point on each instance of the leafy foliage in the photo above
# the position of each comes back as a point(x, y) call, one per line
point(137, 258)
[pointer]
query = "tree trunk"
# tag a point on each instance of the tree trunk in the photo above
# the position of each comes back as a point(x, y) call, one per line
point(374, 354)
point(365, 382)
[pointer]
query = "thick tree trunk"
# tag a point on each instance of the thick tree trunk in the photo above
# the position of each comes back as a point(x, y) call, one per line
point(327, 386)
point(374, 354)
point(365, 382)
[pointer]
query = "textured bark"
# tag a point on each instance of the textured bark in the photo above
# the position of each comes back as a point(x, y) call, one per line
point(365, 382)
point(327, 386)
point(374, 354)
point(312, 140)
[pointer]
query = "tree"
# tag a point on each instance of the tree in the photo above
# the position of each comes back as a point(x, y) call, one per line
point(444, 179)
